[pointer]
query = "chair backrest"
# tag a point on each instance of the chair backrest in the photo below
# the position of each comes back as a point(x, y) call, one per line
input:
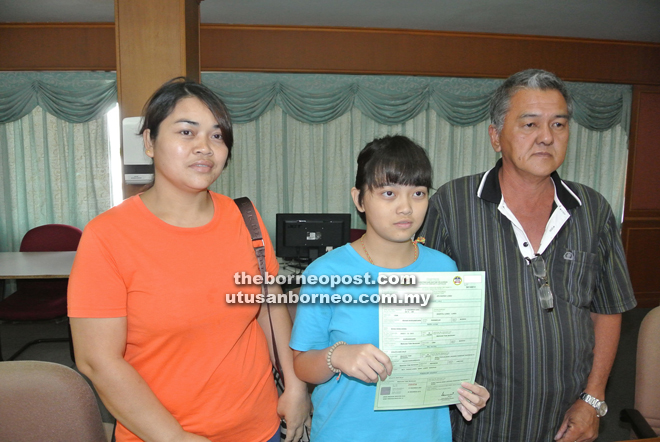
point(49, 238)
point(44, 401)
point(647, 379)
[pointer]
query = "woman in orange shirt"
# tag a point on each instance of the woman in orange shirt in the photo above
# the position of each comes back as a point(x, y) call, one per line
point(171, 360)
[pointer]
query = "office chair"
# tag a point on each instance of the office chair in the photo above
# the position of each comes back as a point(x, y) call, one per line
point(645, 417)
point(44, 401)
point(41, 299)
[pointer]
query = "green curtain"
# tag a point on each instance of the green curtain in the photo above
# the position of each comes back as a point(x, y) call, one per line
point(75, 97)
point(54, 155)
point(321, 98)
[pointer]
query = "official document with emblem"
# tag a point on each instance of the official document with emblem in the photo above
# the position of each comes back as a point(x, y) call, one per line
point(435, 347)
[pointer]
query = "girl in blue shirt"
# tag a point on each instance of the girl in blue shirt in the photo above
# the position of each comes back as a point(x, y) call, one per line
point(336, 345)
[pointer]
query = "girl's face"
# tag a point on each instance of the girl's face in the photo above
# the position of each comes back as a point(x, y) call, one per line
point(394, 212)
point(189, 152)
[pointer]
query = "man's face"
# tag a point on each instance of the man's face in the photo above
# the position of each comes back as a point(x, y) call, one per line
point(534, 136)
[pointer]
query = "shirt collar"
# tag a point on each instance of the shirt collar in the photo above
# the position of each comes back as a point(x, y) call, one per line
point(489, 188)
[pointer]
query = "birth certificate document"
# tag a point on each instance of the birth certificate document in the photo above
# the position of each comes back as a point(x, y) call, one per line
point(434, 347)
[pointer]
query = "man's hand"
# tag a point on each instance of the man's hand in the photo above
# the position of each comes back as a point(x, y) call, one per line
point(580, 424)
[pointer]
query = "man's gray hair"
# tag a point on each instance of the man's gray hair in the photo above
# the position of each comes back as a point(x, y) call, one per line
point(528, 79)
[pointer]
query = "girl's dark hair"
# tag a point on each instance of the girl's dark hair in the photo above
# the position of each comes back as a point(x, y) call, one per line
point(392, 160)
point(162, 103)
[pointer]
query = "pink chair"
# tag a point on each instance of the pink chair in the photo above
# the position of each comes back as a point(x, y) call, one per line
point(44, 401)
point(645, 417)
point(41, 299)
point(647, 381)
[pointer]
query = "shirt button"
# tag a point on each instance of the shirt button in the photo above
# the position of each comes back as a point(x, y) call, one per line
point(525, 244)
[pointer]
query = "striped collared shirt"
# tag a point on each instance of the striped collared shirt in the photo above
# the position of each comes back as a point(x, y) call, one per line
point(533, 361)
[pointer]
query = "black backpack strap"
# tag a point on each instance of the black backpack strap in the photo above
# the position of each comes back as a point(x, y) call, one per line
point(250, 217)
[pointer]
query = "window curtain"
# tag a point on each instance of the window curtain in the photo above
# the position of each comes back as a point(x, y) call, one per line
point(297, 136)
point(54, 155)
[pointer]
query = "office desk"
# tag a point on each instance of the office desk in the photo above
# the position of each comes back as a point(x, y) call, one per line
point(24, 265)
point(34, 265)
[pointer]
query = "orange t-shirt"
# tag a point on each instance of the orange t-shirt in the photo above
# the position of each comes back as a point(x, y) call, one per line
point(207, 361)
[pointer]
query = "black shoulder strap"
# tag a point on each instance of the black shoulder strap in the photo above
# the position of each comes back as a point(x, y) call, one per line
point(250, 216)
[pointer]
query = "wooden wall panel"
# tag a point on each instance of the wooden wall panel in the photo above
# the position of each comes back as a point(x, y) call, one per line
point(70, 47)
point(345, 50)
point(192, 32)
point(641, 227)
point(641, 240)
point(405, 52)
point(643, 196)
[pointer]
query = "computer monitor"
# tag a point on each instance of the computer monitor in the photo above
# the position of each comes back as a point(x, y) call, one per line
point(306, 236)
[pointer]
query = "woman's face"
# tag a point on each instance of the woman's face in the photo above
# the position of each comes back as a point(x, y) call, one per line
point(189, 152)
point(394, 212)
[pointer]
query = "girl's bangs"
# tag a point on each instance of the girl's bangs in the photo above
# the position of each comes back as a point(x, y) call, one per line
point(405, 173)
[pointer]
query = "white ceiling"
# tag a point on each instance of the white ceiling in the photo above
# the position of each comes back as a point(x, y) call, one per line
point(632, 20)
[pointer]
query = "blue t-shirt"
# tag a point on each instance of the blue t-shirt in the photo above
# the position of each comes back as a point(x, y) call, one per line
point(344, 409)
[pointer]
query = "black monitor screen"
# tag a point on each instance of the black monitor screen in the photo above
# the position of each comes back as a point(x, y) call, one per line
point(306, 236)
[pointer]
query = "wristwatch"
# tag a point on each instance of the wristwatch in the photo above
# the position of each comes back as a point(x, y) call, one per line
point(600, 406)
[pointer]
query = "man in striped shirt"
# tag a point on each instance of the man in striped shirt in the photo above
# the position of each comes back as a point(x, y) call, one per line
point(556, 275)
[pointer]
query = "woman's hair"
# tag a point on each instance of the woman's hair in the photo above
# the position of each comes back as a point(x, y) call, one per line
point(528, 79)
point(391, 160)
point(162, 103)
